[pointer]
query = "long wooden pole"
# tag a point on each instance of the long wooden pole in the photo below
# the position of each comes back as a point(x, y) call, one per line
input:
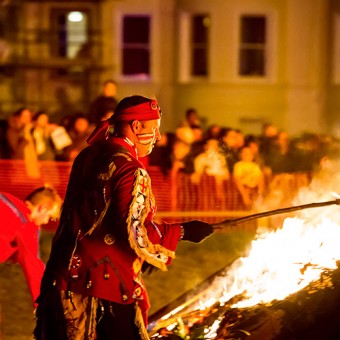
point(236, 221)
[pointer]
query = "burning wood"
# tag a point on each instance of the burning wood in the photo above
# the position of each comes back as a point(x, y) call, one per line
point(299, 316)
point(287, 288)
point(311, 313)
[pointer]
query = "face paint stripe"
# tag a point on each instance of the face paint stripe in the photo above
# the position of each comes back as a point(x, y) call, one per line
point(146, 138)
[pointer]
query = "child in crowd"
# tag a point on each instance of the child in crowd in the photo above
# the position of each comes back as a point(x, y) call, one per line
point(248, 177)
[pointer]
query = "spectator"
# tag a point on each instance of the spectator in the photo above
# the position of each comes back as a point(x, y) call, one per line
point(210, 162)
point(79, 131)
point(104, 105)
point(213, 131)
point(278, 158)
point(229, 144)
point(190, 130)
point(186, 149)
point(185, 134)
point(179, 153)
point(239, 139)
point(253, 143)
point(267, 139)
point(161, 154)
point(41, 133)
point(19, 226)
point(248, 177)
point(20, 140)
point(305, 152)
point(192, 118)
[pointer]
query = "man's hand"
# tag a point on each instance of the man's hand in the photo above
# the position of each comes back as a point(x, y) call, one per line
point(196, 231)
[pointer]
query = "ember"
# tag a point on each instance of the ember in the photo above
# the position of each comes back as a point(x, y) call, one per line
point(256, 296)
point(311, 313)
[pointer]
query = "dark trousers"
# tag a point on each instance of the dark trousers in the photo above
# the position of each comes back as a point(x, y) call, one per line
point(83, 318)
point(117, 322)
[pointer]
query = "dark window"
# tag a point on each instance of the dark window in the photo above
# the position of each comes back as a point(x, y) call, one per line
point(199, 45)
point(136, 45)
point(252, 46)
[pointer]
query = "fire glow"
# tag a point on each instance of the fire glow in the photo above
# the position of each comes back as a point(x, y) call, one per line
point(279, 263)
point(283, 261)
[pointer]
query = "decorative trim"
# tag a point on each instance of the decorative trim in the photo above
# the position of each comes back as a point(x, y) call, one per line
point(140, 323)
point(154, 254)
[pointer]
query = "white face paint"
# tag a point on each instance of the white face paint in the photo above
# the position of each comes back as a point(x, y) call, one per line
point(148, 137)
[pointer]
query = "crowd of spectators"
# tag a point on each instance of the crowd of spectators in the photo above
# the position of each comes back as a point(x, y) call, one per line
point(193, 149)
point(31, 136)
point(272, 149)
point(249, 159)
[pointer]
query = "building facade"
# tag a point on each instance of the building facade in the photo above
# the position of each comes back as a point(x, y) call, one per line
point(239, 63)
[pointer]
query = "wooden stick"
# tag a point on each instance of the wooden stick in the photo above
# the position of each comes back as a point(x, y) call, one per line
point(236, 221)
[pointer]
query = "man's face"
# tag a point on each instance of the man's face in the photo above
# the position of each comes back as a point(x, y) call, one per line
point(44, 213)
point(26, 116)
point(147, 135)
point(110, 90)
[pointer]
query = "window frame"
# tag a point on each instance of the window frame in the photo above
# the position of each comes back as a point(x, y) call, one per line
point(54, 14)
point(336, 50)
point(137, 45)
point(270, 56)
point(249, 47)
point(184, 56)
point(194, 46)
point(118, 46)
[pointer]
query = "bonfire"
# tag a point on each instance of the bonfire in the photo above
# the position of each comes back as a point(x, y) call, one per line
point(287, 287)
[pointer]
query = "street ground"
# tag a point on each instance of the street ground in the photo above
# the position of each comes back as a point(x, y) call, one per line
point(193, 263)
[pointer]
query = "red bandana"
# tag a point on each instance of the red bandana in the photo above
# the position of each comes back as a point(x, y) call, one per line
point(145, 111)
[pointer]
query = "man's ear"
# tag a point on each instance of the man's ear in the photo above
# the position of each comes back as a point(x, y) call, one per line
point(29, 205)
point(136, 125)
point(33, 208)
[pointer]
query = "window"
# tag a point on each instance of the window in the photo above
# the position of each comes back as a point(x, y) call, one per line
point(336, 50)
point(70, 32)
point(252, 53)
point(199, 44)
point(136, 46)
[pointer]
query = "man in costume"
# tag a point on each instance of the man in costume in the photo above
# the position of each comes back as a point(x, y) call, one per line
point(92, 287)
point(19, 226)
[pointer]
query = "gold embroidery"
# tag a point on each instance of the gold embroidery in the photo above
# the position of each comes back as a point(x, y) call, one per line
point(100, 218)
point(109, 239)
point(137, 265)
point(107, 175)
point(140, 207)
point(137, 292)
point(139, 322)
point(123, 155)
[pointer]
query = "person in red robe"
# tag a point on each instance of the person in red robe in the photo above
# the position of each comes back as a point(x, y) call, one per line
point(92, 286)
point(19, 227)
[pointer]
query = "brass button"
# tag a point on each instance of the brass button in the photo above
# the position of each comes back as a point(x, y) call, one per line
point(109, 239)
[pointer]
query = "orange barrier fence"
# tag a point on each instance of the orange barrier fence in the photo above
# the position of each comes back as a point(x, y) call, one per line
point(177, 197)
point(14, 179)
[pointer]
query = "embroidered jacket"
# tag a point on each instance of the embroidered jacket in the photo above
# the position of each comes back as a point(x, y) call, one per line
point(106, 230)
point(19, 240)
